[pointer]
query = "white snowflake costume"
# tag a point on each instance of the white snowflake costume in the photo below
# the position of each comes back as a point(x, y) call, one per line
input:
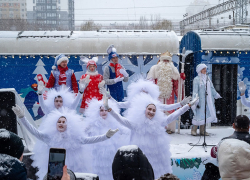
point(69, 99)
point(149, 134)
point(145, 86)
point(71, 139)
point(104, 152)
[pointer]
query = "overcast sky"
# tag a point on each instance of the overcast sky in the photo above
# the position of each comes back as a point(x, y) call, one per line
point(107, 11)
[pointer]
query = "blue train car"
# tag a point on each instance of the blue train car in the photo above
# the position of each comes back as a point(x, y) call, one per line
point(25, 54)
point(226, 53)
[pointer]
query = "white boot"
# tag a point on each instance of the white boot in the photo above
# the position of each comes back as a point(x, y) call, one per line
point(194, 130)
point(202, 127)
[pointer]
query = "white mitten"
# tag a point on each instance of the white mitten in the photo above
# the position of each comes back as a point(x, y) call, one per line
point(87, 79)
point(194, 100)
point(82, 85)
point(18, 111)
point(242, 87)
point(101, 84)
point(118, 79)
point(124, 72)
point(40, 87)
point(104, 92)
point(111, 133)
point(105, 102)
point(186, 100)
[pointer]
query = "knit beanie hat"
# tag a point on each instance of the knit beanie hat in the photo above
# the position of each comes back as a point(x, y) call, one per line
point(58, 59)
point(112, 52)
point(10, 144)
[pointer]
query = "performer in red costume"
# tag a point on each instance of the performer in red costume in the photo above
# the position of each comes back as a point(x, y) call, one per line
point(61, 75)
point(166, 76)
point(93, 80)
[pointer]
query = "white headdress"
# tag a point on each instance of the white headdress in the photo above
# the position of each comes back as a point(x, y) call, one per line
point(142, 85)
point(67, 96)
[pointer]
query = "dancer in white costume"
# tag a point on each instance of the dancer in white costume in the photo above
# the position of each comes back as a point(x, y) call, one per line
point(64, 130)
point(242, 88)
point(148, 87)
point(99, 121)
point(145, 120)
point(62, 97)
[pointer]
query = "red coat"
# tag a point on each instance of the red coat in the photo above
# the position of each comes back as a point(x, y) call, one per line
point(92, 90)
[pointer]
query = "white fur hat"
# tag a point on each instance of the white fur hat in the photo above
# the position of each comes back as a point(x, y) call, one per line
point(200, 67)
point(166, 56)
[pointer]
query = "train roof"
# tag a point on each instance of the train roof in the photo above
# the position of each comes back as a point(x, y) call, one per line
point(224, 39)
point(88, 42)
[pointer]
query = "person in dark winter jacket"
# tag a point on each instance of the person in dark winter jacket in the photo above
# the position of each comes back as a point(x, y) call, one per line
point(130, 163)
point(241, 126)
point(11, 155)
point(233, 152)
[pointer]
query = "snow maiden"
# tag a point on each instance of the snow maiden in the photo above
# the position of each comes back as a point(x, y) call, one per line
point(100, 121)
point(64, 129)
point(146, 122)
point(199, 88)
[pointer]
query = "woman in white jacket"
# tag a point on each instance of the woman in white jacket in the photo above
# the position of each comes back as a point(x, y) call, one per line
point(145, 121)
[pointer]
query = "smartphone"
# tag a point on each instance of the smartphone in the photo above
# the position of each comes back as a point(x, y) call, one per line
point(56, 163)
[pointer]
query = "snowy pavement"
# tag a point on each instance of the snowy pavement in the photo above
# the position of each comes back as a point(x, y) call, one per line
point(180, 148)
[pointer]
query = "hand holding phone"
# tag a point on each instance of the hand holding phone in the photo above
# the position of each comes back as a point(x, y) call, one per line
point(65, 176)
point(56, 163)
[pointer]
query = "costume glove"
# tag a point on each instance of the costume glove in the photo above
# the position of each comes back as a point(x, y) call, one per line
point(101, 84)
point(194, 100)
point(40, 87)
point(82, 85)
point(104, 92)
point(186, 100)
point(18, 111)
point(87, 79)
point(242, 87)
point(118, 79)
point(110, 133)
point(124, 72)
point(105, 102)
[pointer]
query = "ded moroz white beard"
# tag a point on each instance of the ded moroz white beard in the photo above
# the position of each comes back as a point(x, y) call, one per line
point(167, 72)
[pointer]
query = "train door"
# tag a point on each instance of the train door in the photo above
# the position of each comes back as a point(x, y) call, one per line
point(224, 77)
point(189, 71)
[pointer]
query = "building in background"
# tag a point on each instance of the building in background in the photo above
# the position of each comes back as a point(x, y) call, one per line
point(51, 14)
point(13, 9)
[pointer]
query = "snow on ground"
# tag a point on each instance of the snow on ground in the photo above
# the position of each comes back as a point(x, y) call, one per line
point(179, 146)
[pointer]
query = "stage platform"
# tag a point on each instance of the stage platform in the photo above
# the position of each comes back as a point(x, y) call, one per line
point(187, 161)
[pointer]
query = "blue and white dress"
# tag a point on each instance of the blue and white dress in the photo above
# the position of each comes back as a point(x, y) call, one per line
point(199, 87)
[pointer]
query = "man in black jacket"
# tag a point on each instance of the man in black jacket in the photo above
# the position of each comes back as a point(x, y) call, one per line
point(11, 155)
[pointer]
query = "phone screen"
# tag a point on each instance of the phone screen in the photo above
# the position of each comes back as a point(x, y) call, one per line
point(56, 163)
